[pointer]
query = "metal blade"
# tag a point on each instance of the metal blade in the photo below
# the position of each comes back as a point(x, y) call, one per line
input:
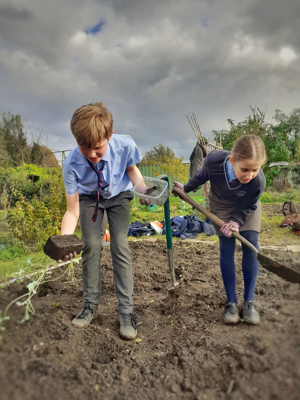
point(278, 269)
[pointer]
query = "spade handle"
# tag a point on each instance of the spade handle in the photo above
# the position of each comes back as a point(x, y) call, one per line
point(213, 217)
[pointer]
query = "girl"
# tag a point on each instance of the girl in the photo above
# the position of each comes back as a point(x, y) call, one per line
point(237, 182)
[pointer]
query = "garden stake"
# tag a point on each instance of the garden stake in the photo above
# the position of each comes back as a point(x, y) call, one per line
point(278, 269)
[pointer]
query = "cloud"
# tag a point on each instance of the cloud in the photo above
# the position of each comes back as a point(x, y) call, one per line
point(18, 12)
point(275, 22)
point(151, 63)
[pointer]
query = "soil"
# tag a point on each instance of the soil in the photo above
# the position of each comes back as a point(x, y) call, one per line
point(58, 246)
point(184, 351)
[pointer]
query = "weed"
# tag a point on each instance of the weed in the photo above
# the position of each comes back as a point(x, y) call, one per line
point(71, 269)
point(32, 289)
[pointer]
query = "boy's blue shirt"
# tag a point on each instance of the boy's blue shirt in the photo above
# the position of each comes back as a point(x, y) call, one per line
point(121, 153)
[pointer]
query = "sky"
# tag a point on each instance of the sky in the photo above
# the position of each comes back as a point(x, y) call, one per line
point(150, 62)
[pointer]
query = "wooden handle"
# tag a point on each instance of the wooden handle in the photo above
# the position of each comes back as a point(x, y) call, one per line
point(212, 216)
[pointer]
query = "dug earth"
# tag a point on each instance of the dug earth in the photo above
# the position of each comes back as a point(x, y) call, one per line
point(186, 353)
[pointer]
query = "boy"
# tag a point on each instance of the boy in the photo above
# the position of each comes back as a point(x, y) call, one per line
point(98, 176)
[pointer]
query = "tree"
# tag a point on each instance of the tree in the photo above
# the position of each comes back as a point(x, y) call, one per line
point(14, 139)
point(254, 124)
point(288, 130)
point(41, 155)
point(4, 161)
point(158, 155)
point(176, 169)
point(282, 141)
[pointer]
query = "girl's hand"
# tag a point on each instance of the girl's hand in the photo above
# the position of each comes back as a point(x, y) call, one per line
point(179, 185)
point(230, 227)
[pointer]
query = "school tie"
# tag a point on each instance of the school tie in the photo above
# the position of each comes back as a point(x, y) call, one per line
point(102, 184)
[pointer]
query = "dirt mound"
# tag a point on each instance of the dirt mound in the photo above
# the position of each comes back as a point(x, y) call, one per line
point(186, 354)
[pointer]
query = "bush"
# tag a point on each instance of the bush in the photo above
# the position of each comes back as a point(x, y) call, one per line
point(32, 180)
point(32, 222)
point(270, 174)
point(11, 252)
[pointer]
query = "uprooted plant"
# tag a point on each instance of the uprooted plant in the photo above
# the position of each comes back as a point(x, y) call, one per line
point(40, 277)
point(2, 319)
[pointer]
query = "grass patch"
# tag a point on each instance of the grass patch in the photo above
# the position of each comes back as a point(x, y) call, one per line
point(204, 237)
point(26, 264)
point(177, 207)
point(10, 252)
point(269, 197)
point(272, 235)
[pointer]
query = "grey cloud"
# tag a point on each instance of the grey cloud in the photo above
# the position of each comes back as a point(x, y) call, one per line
point(14, 12)
point(274, 21)
point(152, 63)
point(45, 29)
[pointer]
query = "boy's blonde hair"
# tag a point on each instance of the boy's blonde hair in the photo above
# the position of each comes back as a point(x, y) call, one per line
point(249, 147)
point(91, 124)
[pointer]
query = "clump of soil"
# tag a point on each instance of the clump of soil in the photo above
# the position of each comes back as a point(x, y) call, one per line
point(59, 246)
point(187, 353)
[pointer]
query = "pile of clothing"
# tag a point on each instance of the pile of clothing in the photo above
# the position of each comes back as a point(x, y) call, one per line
point(185, 227)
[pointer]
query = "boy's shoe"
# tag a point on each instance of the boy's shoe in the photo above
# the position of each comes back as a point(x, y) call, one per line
point(251, 314)
point(128, 326)
point(84, 317)
point(231, 315)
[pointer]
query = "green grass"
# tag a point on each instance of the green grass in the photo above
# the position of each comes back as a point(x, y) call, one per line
point(272, 235)
point(26, 264)
point(280, 197)
point(146, 214)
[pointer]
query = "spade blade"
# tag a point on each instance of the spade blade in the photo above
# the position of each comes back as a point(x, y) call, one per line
point(280, 270)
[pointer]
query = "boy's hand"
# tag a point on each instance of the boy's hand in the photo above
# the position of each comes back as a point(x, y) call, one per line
point(179, 185)
point(68, 257)
point(230, 227)
point(147, 192)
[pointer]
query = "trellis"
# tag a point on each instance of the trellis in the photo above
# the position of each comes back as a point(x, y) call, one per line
point(207, 146)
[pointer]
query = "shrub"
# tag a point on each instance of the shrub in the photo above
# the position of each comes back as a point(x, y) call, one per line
point(11, 252)
point(270, 173)
point(32, 222)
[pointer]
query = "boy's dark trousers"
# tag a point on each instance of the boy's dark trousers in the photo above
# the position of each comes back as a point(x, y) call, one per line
point(103, 225)
point(118, 213)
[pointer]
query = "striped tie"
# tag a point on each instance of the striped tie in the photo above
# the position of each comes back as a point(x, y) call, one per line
point(102, 184)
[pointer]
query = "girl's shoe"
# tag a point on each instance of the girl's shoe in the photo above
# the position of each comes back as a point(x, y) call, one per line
point(231, 315)
point(251, 314)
